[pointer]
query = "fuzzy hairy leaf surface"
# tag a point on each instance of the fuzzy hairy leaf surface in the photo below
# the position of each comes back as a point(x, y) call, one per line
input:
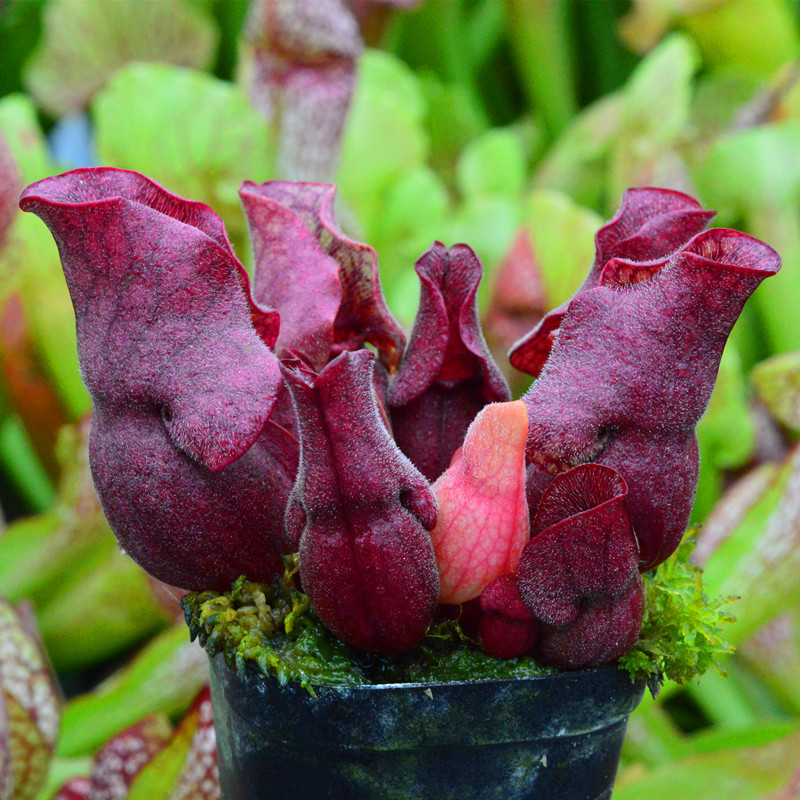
point(174, 353)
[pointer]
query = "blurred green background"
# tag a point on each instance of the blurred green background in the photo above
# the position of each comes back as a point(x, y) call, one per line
point(512, 125)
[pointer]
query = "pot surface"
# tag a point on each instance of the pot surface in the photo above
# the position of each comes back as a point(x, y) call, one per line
point(554, 737)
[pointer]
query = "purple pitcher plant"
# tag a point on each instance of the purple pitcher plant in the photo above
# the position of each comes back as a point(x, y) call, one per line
point(236, 423)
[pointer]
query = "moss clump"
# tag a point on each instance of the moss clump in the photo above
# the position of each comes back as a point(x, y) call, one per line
point(274, 627)
point(682, 634)
point(271, 626)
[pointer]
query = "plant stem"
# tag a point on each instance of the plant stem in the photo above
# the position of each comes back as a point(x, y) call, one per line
point(538, 31)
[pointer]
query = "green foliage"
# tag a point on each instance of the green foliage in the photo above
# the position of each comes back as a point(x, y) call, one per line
point(439, 143)
point(728, 410)
point(164, 677)
point(655, 111)
point(749, 770)
point(20, 26)
point(759, 37)
point(494, 163)
point(777, 381)
point(760, 558)
point(29, 263)
point(385, 135)
point(752, 177)
point(85, 42)
point(389, 196)
point(683, 630)
point(562, 235)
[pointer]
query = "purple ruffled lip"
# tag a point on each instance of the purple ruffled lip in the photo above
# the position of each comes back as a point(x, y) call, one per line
point(447, 343)
point(716, 250)
point(447, 374)
point(649, 224)
point(355, 309)
point(95, 187)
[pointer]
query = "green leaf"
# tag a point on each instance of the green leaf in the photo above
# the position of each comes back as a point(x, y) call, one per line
point(752, 168)
point(38, 553)
point(746, 773)
point(488, 224)
point(85, 42)
point(754, 176)
point(20, 26)
point(164, 677)
point(196, 135)
point(562, 235)
point(652, 737)
point(760, 37)
point(385, 136)
point(20, 466)
point(658, 93)
point(61, 770)
point(714, 740)
point(757, 37)
point(157, 778)
point(30, 705)
point(727, 411)
point(760, 560)
point(22, 132)
point(31, 264)
point(414, 210)
point(718, 100)
point(773, 656)
point(725, 701)
point(20, 547)
point(540, 43)
point(494, 163)
point(777, 381)
point(107, 607)
point(453, 119)
point(577, 163)
point(656, 108)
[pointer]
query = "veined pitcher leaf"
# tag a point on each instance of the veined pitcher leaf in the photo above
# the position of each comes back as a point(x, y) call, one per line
point(29, 704)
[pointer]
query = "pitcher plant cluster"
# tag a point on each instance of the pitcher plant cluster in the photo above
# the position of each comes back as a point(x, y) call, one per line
point(237, 422)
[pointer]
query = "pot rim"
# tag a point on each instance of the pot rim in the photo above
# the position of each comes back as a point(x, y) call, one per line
point(552, 676)
point(412, 715)
point(253, 672)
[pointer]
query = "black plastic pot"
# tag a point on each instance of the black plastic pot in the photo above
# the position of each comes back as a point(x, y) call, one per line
point(551, 738)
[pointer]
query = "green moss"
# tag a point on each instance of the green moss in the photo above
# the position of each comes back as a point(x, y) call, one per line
point(271, 626)
point(447, 654)
point(682, 634)
point(274, 627)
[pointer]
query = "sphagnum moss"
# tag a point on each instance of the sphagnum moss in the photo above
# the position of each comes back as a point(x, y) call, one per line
point(273, 627)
